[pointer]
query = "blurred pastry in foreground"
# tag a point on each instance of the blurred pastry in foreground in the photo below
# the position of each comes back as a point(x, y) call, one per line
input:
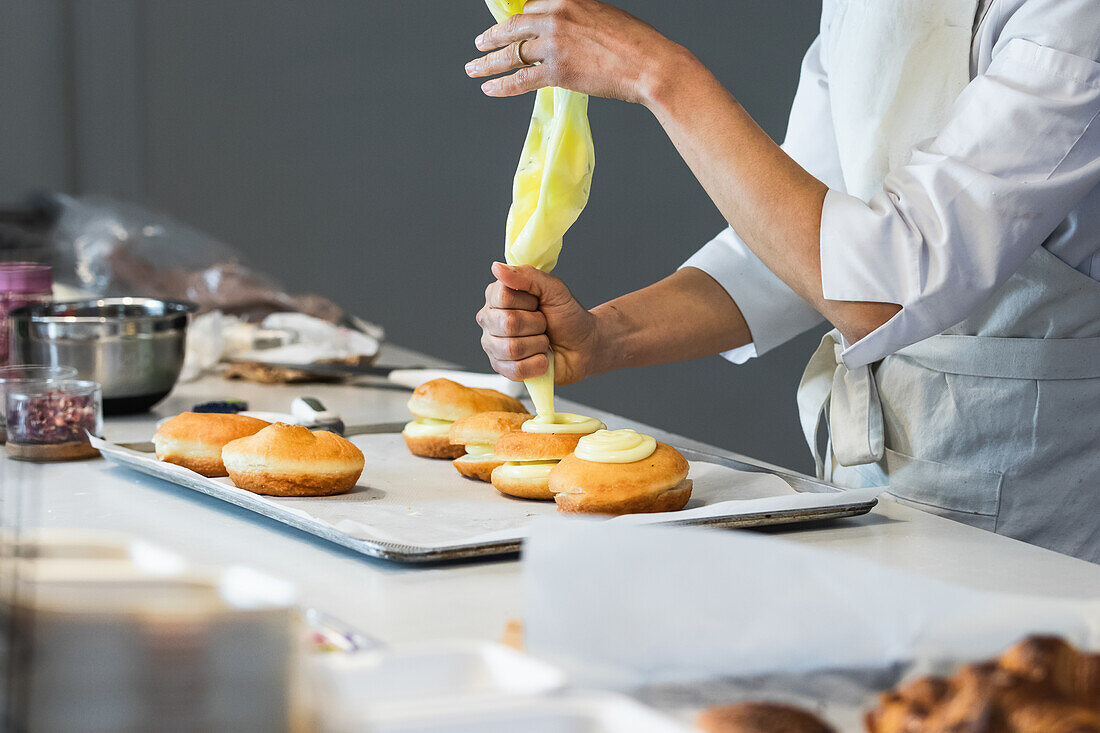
point(1041, 685)
point(289, 460)
point(478, 434)
point(195, 439)
point(621, 472)
point(437, 404)
point(760, 717)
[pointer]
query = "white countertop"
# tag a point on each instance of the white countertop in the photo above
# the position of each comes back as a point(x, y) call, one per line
point(474, 599)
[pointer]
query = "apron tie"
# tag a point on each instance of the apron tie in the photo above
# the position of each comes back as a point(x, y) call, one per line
point(849, 400)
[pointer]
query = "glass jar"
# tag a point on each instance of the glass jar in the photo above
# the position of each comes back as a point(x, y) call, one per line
point(19, 373)
point(50, 421)
point(21, 283)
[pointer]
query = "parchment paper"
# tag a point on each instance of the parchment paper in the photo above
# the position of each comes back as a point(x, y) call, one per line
point(625, 607)
point(425, 503)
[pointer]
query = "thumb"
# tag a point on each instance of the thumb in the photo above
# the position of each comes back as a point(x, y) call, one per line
point(543, 286)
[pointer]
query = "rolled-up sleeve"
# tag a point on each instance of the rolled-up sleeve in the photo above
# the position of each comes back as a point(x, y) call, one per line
point(775, 313)
point(1019, 152)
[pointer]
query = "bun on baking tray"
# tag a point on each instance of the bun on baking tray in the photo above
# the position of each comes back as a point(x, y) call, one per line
point(290, 460)
point(760, 717)
point(478, 435)
point(528, 459)
point(195, 440)
point(438, 403)
point(658, 483)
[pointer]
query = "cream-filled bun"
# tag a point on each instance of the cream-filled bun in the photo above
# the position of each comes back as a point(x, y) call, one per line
point(478, 434)
point(195, 439)
point(528, 458)
point(289, 460)
point(437, 404)
point(656, 483)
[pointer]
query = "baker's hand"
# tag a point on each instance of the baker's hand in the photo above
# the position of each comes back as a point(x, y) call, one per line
point(527, 313)
point(583, 45)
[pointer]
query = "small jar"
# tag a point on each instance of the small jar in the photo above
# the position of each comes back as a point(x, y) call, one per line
point(19, 373)
point(21, 283)
point(50, 421)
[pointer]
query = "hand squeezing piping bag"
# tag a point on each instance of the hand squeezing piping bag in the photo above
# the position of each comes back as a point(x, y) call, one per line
point(550, 188)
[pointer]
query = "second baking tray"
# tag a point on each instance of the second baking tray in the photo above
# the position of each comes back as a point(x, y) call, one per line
point(414, 510)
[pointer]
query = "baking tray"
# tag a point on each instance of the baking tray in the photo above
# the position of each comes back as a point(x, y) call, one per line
point(412, 553)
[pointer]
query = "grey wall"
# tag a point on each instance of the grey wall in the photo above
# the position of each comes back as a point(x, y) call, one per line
point(339, 144)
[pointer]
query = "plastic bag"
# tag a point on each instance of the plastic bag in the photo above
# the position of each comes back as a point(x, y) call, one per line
point(118, 248)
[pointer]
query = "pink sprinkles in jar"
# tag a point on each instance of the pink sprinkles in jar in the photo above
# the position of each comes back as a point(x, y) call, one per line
point(52, 421)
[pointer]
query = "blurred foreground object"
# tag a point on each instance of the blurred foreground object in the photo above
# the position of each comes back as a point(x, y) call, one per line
point(758, 605)
point(1040, 685)
point(101, 635)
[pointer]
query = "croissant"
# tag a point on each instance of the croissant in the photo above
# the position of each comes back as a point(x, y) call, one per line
point(1040, 685)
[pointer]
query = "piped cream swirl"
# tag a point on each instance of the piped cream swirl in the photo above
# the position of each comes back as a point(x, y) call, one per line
point(562, 422)
point(615, 446)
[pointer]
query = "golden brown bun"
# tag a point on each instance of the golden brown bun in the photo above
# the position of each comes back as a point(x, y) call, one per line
point(522, 487)
point(480, 470)
point(289, 460)
point(521, 446)
point(433, 446)
point(195, 439)
point(658, 483)
point(760, 717)
point(443, 399)
point(485, 428)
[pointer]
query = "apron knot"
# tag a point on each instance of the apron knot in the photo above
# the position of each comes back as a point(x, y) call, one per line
point(849, 401)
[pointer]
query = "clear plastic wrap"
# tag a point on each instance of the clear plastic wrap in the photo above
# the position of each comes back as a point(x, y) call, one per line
point(119, 248)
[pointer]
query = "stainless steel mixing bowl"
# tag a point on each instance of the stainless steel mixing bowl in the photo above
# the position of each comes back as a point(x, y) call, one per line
point(133, 347)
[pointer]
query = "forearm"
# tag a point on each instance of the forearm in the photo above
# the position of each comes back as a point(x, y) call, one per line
point(684, 316)
point(772, 203)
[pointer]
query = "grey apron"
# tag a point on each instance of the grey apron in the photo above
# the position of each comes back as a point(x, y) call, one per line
point(995, 422)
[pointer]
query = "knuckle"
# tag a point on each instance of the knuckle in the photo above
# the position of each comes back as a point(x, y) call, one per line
point(512, 322)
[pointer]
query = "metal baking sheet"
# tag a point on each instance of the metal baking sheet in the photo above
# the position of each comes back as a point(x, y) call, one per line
point(426, 553)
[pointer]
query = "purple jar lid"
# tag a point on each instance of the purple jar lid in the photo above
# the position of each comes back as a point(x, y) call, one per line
point(25, 277)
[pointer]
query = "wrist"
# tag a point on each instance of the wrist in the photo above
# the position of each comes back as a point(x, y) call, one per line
point(608, 343)
point(665, 77)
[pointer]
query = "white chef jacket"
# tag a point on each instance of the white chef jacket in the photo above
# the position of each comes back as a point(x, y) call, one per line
point(1017, 166)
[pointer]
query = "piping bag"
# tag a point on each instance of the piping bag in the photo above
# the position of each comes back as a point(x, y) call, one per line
point(550, 188)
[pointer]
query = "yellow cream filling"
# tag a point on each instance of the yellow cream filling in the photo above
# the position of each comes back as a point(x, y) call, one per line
point(562, 422)
point(428, 427)
point(526, 470)
point(615, 446)
point(478, 452)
